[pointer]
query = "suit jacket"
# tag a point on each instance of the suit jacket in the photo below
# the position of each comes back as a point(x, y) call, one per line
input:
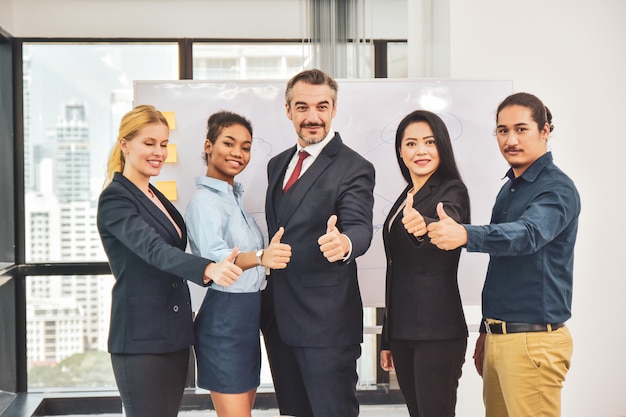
point(422, 292)
point(151, 306)
point(316, 303)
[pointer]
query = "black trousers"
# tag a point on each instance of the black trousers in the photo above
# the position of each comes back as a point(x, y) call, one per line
point(151, 385)
point(313, 382)
point(428, 374)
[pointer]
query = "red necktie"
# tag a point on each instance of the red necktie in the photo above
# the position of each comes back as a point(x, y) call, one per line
point(296, 171)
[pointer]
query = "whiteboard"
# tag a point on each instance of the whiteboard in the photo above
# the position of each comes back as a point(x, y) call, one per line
point(368, 112)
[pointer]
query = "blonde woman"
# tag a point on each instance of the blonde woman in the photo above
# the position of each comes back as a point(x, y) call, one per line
point(144, 237)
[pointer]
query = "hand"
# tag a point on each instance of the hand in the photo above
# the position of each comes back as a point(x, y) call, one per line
point(276, 255)
point(479, 353)
point(386, 360)
point(446, 234)
point(412, 219)
point(224, 272)
point(333, 244)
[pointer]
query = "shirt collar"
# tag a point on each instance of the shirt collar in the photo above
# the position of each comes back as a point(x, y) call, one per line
point(532, 172)
point(219, 185)
point(316, 149)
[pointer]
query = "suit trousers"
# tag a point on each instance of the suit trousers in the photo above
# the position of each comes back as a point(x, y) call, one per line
point(428, 373)
point(523, 373)
point(151, 384)
point(313, 381)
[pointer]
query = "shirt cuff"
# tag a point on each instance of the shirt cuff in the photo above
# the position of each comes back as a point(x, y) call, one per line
point(345, 258)
point(475, 238)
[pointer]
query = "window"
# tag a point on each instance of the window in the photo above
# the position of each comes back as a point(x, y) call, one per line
point(397, 60)
point(67, 322)
point(240, 61)
point(74, 95)
point(74, 98)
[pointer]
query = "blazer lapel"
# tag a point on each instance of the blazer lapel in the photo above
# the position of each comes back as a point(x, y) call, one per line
point(296, 195)
point(176, 216)
point(275, 186)
point(155, 212)
point(393, 212)
point(422, 194)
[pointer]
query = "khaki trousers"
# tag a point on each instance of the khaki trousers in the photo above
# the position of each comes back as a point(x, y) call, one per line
point(523, 373)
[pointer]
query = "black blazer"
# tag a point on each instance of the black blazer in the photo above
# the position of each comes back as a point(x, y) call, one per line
point(317, 303)
point(151, 306)
point(422, 292)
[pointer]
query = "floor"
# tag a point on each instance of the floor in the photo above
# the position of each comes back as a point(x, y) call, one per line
point(366, 411)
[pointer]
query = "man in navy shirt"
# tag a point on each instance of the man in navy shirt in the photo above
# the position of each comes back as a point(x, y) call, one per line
point(524, 350)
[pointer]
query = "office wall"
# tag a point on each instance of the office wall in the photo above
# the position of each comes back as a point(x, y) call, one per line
point(6, 15)
point(158, 18)
point(569, 52)
point(183, 18)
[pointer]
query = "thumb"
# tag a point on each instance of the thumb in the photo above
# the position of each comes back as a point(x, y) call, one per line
point(332, 223)
point(409, 202)
point(441, 213)
point(233, 255)
point(279, 234)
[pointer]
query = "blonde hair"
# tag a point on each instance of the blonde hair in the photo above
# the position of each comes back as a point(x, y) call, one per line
point(131, 124)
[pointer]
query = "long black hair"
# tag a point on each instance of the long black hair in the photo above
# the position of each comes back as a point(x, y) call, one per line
point(447, 164)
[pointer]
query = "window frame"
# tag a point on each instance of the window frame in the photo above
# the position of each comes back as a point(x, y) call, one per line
point(18, 272)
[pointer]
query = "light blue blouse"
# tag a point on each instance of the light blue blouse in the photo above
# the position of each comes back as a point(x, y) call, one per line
point(217, 222)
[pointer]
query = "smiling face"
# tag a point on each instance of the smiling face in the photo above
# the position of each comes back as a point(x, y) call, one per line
point(145, 153)
point(230, 153)
point(419, 152)
point(311, 110)
point(520, 139)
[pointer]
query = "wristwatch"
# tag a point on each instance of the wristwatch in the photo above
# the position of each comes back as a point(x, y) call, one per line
point(259, 254)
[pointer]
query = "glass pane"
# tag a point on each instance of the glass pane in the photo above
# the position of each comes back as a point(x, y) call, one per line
point(67, 324)
point(360, 60)
point(248, 61)
point(74, 98)
point(397, 60)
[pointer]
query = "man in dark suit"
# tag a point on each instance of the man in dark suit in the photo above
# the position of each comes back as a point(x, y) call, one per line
point(312, 318)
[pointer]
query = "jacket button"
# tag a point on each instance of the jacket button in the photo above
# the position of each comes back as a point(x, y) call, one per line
point(175, 308)
point(175, 284)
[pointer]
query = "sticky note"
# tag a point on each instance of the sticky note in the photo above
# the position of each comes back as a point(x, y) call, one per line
point(172, 156)
point(168, 188)
point(170, 116)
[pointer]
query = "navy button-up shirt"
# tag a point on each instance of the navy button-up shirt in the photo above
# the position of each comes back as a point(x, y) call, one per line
point(531, 245)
